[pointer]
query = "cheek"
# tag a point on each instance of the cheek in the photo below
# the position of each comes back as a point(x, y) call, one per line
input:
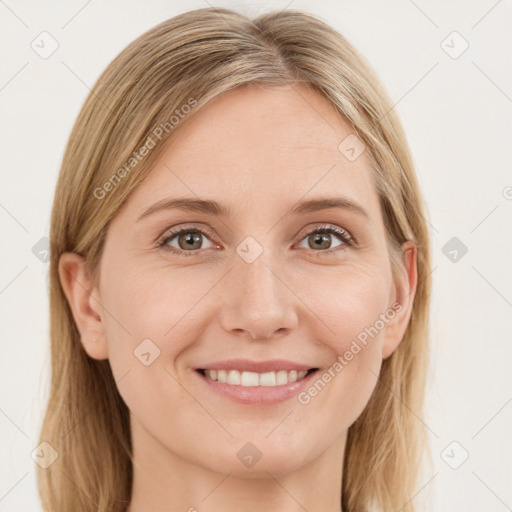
point(155, 317)
point(349, 305)
point(148, 327)
point(150, 306)
point(350, 309)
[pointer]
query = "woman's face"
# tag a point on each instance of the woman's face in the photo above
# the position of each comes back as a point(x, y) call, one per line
point(263, 281)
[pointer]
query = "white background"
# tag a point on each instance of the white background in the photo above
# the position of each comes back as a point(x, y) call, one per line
point(457, 115)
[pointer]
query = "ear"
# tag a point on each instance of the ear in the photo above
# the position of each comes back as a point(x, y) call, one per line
point(404, 292)
point(83, 300)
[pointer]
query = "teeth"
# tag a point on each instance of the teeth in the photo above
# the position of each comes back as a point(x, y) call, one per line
point(233, 377)
point(251, 379)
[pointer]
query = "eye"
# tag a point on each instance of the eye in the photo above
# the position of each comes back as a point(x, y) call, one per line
point(188, 240)
point(321, 238)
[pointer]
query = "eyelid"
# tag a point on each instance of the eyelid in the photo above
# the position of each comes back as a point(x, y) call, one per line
point(327, 226)
point(201, 227)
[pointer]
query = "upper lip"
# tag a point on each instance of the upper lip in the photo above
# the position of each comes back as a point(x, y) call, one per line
point(247, 365)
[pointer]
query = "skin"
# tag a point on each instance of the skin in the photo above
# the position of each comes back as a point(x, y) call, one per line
point(258, 151)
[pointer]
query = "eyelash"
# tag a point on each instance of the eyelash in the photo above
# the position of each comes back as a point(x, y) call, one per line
point(344, 236)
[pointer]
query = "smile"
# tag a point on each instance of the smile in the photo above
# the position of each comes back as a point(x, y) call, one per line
point(257, 389)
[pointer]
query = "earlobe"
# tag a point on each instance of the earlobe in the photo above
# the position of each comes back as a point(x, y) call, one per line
point(81, 295)
point(405, 289)
point(95, 347)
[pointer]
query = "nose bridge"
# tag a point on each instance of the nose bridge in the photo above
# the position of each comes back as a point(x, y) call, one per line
point(259, 302)
point(261, 282)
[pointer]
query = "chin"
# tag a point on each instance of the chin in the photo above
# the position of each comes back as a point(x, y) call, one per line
point(248, 461)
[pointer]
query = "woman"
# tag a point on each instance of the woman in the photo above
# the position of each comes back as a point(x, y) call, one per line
point(239, 279)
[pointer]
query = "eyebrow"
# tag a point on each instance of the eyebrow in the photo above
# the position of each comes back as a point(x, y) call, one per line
point(211, 207)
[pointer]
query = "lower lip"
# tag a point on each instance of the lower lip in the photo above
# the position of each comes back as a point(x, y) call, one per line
point(258, 395)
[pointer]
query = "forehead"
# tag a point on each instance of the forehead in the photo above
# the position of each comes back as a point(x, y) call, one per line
point(266, 147)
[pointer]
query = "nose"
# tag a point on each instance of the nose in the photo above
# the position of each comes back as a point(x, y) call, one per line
point(258, 303)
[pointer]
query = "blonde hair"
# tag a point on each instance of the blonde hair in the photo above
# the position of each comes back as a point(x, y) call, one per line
point(190, 59)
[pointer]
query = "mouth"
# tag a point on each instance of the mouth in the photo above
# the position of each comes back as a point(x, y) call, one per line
point(256, 389)
point(255, 379)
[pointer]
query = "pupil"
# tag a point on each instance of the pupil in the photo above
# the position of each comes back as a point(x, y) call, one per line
point(322, 238)
point(191, 238)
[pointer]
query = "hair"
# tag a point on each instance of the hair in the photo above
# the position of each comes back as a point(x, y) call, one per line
point(188, 60)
